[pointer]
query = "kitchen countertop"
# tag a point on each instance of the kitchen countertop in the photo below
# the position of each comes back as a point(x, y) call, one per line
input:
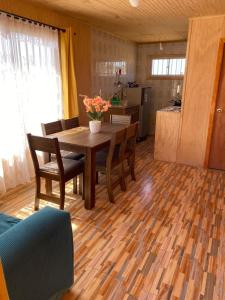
point(125, 106)
point(171, 109)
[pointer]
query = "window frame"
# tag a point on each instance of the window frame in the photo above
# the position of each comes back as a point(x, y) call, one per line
point(163, 77)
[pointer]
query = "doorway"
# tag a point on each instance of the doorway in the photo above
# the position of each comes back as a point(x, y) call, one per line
point(217, 149)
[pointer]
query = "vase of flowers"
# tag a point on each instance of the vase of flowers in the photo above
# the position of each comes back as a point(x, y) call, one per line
point(95, 108)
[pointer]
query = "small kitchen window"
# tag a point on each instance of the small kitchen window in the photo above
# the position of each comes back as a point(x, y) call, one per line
point(167, 67)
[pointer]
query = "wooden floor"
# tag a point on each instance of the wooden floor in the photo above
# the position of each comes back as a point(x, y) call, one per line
point(162, 239)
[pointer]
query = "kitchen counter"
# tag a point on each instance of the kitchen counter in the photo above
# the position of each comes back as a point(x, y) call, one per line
point(171, 108)
point(166, 133)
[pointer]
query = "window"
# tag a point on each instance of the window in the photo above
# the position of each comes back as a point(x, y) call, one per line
point(167, 67)
point(110, 68)
point(30, 87)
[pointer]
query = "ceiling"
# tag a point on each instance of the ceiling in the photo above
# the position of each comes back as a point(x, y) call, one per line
point(153, 20)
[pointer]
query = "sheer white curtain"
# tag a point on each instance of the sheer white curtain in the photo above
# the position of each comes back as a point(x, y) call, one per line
point(30, 93)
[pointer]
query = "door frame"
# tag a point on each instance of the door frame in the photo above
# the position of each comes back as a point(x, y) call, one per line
point(219, 62)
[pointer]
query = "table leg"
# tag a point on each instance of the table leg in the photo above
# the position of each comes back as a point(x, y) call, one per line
point(89, 185)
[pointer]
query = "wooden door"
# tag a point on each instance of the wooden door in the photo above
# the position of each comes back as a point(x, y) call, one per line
point(217, 152)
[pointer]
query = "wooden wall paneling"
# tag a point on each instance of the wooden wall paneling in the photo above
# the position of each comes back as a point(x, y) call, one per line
point(200, 76)
point(184, 82)
point(214, 99)
point(83, 66)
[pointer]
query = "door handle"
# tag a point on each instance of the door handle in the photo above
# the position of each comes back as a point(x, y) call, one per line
point(219, 110)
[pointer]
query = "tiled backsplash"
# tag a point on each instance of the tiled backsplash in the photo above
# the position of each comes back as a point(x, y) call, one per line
point(109, 53)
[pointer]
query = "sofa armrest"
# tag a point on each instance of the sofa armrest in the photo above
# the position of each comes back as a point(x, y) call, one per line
point(37, 255)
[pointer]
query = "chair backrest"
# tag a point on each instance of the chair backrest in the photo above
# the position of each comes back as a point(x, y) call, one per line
point(52, 127)
point(46, 145)
point(117, 147)
point(70, 123)
point(121, 119)
point(131, 136)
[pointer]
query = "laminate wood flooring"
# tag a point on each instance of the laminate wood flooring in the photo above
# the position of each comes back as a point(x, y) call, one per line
point(163, 239)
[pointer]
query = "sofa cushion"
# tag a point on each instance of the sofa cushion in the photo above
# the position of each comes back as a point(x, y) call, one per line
point(7, 222)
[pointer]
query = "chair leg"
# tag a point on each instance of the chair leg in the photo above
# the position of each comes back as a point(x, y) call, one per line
point(62, 194)
point(37, 192)
point(109, 186)
point(122, 178)
point(75, 185)
point(97, 179)
point(80, 184)
point(132, 168)
point(83, 186)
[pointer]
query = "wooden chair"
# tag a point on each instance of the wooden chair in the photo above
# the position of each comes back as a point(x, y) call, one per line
point(70, 123)
point(129, 155)
point(54, 127)
point(121, 119)
point(51, 128)
point(111, 158)
point(60, 170)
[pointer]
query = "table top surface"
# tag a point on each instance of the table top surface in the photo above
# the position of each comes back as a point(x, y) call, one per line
point(81, 136)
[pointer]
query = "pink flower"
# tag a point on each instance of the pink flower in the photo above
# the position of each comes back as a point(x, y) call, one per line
point(97, 108)
point(87, 101)
point(89, 108)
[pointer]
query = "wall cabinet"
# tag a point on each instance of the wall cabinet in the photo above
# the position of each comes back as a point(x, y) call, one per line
point(198, 92)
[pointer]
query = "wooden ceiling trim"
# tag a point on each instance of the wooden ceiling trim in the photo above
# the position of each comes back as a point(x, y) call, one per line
point(153, 20)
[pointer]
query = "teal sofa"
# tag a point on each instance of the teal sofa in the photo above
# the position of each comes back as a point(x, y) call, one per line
point(37, 254)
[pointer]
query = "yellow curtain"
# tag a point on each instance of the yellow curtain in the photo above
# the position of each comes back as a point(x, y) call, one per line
point(3, 289)
point(69, 86)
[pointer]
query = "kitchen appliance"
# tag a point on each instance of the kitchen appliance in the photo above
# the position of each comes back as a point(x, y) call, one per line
point(140, 96)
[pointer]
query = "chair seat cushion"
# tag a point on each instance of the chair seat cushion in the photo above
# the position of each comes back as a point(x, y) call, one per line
point(68, 155)
point(7, 222)
point(71, 167)
point(72, 155)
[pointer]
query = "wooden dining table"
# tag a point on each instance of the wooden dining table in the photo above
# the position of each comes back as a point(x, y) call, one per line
point(81, 140)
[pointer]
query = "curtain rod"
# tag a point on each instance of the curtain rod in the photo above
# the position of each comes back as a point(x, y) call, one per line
point(31, 21)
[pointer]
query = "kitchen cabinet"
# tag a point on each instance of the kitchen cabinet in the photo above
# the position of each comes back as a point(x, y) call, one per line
point(167, 133)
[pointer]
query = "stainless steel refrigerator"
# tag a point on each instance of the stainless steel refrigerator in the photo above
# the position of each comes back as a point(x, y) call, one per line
point(140, 96)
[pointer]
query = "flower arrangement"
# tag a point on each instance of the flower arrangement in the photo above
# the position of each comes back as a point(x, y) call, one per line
point(95, 107)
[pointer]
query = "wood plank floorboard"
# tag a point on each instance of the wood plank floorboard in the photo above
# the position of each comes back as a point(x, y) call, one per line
point(163, 239)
